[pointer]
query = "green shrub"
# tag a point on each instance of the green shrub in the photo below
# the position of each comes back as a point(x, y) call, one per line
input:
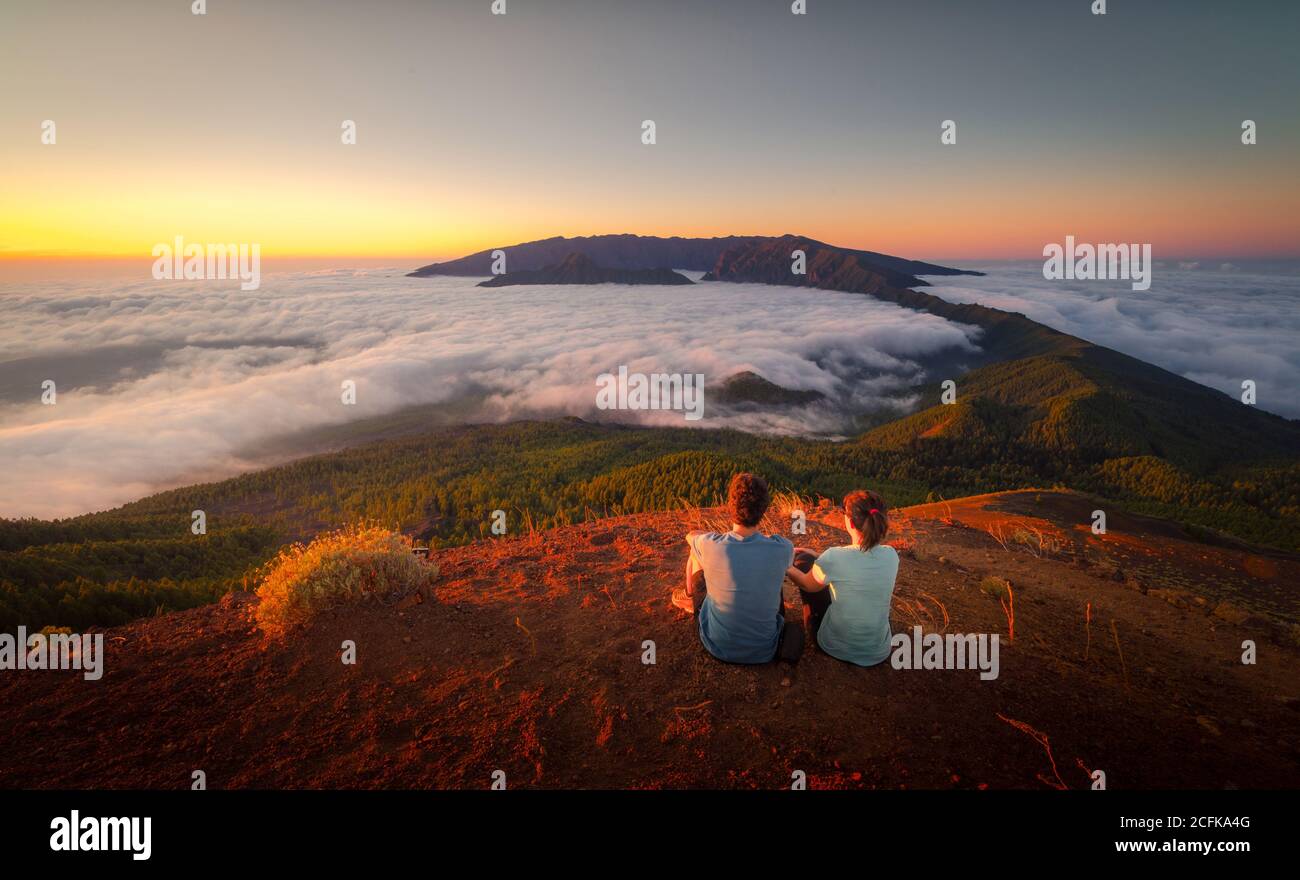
point(997, 587)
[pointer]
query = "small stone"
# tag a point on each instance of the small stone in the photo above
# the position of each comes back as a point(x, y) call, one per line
point(1176, 598)
point(1226, 611)
point(785, 682)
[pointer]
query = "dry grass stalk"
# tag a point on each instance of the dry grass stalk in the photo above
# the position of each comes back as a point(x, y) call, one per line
point(1042, 740)
point(1123, 669)
point(519, 623)
point(1009, 608)
point(1087, 628)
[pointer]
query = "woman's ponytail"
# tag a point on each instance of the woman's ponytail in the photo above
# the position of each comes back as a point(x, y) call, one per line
point(869, 515)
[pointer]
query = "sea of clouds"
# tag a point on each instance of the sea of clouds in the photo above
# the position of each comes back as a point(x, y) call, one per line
point(1215, 323)
point(166, 383)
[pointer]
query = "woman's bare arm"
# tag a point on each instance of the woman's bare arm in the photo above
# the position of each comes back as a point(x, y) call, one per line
point(809, 581)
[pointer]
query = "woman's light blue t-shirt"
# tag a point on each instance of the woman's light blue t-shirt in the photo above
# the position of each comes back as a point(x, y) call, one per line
point(856, 626)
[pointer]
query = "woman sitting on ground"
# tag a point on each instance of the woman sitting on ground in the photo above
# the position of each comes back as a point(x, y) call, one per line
point(847, 590)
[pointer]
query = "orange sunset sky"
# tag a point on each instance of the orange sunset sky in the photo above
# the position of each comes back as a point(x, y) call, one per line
point(477, 131)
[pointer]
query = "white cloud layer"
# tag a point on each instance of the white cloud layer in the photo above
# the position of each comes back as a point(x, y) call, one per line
point(162, 384)
point(1215, 323)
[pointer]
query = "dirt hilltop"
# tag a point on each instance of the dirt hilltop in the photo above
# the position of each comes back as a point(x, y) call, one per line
point(528, 659)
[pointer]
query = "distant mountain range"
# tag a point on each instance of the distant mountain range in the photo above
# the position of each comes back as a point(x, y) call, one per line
point(578, 268)
point(653, 252)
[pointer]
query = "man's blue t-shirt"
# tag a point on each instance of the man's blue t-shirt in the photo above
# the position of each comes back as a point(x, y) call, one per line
point(742, 615)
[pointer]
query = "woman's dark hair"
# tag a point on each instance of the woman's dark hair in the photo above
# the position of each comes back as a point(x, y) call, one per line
point(748, 499)
point(869, 515)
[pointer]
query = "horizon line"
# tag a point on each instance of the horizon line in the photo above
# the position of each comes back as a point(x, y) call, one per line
point(426, 257)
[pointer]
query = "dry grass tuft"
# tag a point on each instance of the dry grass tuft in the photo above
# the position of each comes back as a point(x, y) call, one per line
point(905, 547)
point(998, 588)
point(1038, 542)
point(354, 564)
point(1011, 535)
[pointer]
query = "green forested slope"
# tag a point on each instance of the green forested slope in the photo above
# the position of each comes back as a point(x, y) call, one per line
point(444, 485)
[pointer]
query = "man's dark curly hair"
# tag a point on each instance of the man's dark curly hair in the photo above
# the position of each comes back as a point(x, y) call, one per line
point(748, 499)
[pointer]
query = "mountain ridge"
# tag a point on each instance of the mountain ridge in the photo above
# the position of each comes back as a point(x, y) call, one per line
point(578, 268)
point(628, 251)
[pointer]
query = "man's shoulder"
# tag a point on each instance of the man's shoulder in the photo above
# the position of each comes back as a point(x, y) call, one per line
point(782, 549)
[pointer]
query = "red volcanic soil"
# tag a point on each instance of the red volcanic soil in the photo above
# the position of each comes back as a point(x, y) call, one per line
point(528, 659)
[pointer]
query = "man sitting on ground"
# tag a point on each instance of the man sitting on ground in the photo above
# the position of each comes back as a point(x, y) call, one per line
point(733, 583)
